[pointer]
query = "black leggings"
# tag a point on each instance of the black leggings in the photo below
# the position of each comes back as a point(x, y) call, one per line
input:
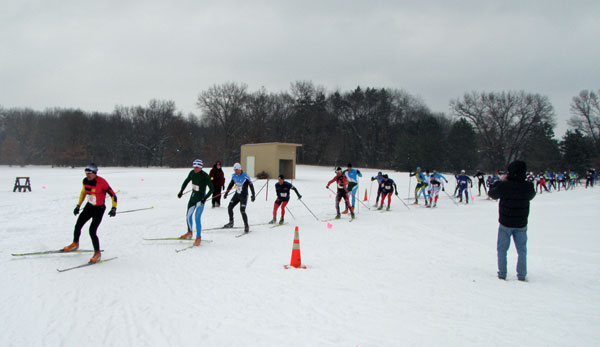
point(90, 212)
point(482, 183)
point(243, 200)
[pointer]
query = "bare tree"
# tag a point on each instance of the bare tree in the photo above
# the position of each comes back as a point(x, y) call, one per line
point(222, 106)
point(585, 110)
point(504, 120)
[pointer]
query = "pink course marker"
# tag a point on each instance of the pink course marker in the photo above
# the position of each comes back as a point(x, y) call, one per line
point(329, 225)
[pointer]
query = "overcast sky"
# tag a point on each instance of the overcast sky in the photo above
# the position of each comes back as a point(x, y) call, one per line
point(94, 55)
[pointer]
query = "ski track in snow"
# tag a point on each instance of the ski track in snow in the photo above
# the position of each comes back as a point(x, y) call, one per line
point(404, 277)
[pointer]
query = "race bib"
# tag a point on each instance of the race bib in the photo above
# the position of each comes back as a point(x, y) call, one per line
point(388, 187)
point(238, 189)
point(341, 186)
point(283, 195)
point(92, 199)
point(195, 187)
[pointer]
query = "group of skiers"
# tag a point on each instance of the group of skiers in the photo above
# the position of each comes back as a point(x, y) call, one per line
point(429, 185)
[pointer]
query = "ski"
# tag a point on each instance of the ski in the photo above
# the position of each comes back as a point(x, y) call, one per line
point(222, 228)
point(244, 233)
point(278, 225)
point(52, 252)
point(174, 239)
point(86, 264)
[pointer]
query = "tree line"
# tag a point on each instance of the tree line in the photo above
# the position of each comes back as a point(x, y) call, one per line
point(370, 127)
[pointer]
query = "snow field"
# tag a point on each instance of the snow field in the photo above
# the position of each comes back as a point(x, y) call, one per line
point(398, 278)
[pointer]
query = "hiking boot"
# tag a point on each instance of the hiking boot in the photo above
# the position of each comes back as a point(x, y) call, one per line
point(380, 207)
point(186, 236)
point(273, 221)
point(246, 228)
point(197, 241)
point(338, 216)
point(96, 257)
point(72, 247)
point(228, 225)
point(281, 221)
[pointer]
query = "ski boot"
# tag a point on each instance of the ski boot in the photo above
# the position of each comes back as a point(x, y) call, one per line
point(281, 221)
point(228, 225)
point(416, 202)
point(197, 241)
point(72, 247)
point(352, 215)
point(387, 208)
point(246, 228)
point(338, 216)
point(186, 236)
point(273, 221)
point(345, 211)
point(380, 207)
point(96, 257)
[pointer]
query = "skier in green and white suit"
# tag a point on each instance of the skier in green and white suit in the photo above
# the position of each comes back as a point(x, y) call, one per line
point(200, 181)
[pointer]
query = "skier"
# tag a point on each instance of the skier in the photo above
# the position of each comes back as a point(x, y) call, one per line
point(241, 181)
point(342, 192)
point(388, 186)
point(421, 185)
point(282, 190)
point(379, 179)
point(218, 179)
point(463, 180)
point(589, 179)
point(436, 184)
point(200, 181)
point(352, 175)
point(95, 188)
point(481, 181)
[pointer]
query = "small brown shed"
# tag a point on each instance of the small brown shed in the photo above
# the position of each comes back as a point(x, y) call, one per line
point(274, 158)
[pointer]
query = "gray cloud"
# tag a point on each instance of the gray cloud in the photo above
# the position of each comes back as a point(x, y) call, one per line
point(95, 55)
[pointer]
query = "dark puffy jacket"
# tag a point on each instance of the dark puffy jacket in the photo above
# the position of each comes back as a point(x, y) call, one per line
point(217, 176)
point(514, 198)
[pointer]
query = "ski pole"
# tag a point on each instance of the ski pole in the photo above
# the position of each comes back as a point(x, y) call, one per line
point(186, 192)
point(260, 190)
point(370, 192)
point(402, 202)
point(408, 192)
point(139, 209)
point(454, 201)
point(311, 212)
point(290, 212)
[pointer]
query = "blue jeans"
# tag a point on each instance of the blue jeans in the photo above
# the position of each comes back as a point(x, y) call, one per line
point(520, 237)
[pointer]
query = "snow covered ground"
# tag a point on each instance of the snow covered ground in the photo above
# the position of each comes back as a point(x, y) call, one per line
point(400, 278)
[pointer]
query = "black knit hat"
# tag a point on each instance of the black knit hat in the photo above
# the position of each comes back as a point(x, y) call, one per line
point(517, 170)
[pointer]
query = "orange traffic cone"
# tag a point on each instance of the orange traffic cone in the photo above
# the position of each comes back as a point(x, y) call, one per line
point(366, 199)
point(295, 262)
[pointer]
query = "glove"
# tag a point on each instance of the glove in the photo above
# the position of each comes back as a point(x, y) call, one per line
point(113, 212)
point(76, 210)
point(225, 196)
point(326, 187)
point(203, 200)
point(179, 195)
point(252, 198)
point(372, 179)
point(299, 197)
point(396, 193)
point(443, 189)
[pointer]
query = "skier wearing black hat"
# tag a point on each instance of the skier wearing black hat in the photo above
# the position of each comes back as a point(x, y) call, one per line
point(282, 190)
point(388, 186)
point(218, 179)
point(95, 189)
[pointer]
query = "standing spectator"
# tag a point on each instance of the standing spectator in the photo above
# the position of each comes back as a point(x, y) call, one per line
point(514, 194)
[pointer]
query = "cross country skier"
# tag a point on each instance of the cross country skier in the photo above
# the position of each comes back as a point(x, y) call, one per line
point(463, 180)
point(481, 181)
point(435, 181)
point(421, 185)
point(95, 188)
point(379, 179)
point(241, 181)
point(388, 186)
point(342, 192)
point(282, 190)
point(352, 175)
point(218, 179)
point(200, 181)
